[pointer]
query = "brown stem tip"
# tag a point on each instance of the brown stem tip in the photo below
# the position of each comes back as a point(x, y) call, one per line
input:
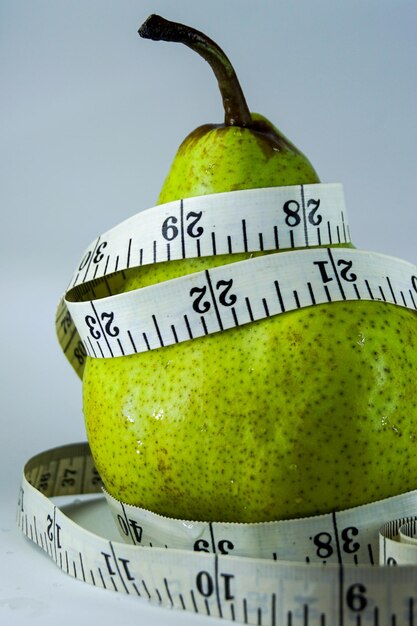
point(235, 108)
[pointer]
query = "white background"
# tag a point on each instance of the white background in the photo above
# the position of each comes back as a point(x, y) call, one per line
point(91, 116)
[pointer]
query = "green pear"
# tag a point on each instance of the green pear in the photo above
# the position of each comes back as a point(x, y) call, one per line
point(303, 413)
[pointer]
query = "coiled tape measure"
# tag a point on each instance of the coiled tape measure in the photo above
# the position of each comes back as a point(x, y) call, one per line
point(318, 571)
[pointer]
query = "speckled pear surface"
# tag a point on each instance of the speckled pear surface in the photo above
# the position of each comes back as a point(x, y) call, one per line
point(216, 158)
point(303, 413)
point(287, 417)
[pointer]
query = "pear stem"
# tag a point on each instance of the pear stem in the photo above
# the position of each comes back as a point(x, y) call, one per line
point(236, 112)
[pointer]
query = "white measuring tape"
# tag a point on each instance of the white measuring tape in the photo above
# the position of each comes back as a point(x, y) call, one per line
point(254, 220)
point(93, 321)
point(228, 296)
point(320, 571)
point(316, 571)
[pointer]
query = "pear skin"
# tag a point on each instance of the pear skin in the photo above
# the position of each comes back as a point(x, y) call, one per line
point(220, 158)
point(300, 414)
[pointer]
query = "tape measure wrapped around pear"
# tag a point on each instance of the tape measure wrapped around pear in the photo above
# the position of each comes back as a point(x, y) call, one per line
point(303, 413)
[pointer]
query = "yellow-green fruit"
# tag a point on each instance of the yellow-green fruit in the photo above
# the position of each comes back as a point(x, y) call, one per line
point(162, 425)
point(302, 413)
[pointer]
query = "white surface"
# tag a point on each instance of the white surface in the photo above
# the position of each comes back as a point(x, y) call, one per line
point(91, 116)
